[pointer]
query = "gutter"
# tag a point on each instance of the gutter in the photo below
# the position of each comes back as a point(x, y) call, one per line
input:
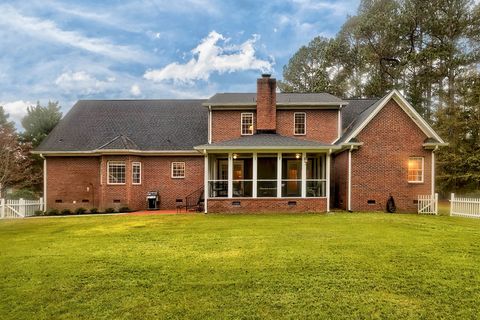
point(118, 152)
point(44, 182)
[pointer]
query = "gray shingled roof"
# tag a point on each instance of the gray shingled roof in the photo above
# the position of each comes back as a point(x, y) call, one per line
point(282, 98)
point(355, 113)
point(264, 141)
point(125, 124)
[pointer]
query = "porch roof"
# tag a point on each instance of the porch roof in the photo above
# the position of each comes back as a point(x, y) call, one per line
point(266, 141)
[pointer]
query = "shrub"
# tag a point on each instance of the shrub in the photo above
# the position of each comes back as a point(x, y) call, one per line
point(80, 210)
point(66, 211)
point(26, 194)
point(39, 213)
point(109, 210)
point(53, 212)
point(124, 209)
point(94, 210)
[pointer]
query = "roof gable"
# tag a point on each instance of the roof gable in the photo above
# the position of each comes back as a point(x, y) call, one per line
point(368, 114)
point(120, 143)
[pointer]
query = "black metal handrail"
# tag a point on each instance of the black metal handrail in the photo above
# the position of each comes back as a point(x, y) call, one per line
point(195, 200)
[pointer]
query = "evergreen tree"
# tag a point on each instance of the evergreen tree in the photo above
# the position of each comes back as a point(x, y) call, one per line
point(39, 121)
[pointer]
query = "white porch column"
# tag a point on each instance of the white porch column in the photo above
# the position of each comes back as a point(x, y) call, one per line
point(279, 175)
point(230, 175)
point(304, 174)
point(206, 184)
point(327, 187)
point(254, 175)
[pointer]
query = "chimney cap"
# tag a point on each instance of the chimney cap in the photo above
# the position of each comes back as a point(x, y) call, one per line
point(266, 75)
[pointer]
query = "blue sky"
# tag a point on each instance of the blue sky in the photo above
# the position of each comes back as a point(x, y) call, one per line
point(70, 50)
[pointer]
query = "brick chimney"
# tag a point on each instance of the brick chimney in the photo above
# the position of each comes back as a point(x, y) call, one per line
point(266, 104)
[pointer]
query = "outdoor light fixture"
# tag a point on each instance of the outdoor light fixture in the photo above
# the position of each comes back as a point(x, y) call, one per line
point(235, 156)
point(297, 156)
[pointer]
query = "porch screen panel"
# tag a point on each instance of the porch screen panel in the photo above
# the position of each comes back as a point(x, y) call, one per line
point(242, 175)
point(291, 175)
point(266, 175)
point(316, 175)
point(218, 175)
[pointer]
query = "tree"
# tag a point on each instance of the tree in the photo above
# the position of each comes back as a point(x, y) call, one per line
point(4, 123)
point(16, 164)
point(429, 50)
point(307, 70)
point(39, 121)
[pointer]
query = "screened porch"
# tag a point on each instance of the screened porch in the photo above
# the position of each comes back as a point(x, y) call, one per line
point(267, 175)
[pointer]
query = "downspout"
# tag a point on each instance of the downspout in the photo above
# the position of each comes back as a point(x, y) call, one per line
point(44, 182)
point(205, 183)
point(349, 195)
point(328, 179)
point(209, 124)
point(433, 170)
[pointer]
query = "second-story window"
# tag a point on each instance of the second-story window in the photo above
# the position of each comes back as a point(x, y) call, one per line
point(247, 123)
point(300, 123)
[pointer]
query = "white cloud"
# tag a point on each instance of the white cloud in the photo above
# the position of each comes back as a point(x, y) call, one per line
point(49, 31)
point(336, 8)
point(17, 110)
point(135, 90)
point(81, 82)
point(209, 57)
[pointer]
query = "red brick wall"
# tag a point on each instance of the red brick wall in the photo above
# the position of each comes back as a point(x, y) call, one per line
point(266, 205)
point(266, 103)
point(340, 180)
point(226, 125)
point(379, 167)
point(68, 178)
point(322, 125)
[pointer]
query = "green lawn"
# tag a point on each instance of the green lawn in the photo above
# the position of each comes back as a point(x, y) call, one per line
point(240, 266)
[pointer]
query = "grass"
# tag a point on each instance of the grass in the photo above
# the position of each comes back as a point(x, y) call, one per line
point(355, 266)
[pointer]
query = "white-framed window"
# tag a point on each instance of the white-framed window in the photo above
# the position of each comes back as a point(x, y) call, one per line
point(247, 123)
point(136, 173)
point(178, 169)
point(116, 172)
point(300, 123)
point(415, 169)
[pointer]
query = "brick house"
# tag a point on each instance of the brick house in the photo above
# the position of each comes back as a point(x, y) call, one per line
point(242, 152)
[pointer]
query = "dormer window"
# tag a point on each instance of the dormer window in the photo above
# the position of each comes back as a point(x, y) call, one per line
point(300, 126)
point(247, 123)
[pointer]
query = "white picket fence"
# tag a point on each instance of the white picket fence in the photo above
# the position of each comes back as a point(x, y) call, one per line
point(464, 207)
point(428, 204)
point(20, 208)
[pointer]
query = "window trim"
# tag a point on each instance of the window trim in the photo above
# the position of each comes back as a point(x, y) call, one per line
point(241, 123)
point(171, 170)
point(108, 172)
point(135, 163)
point(423, 170)
point(304, 124)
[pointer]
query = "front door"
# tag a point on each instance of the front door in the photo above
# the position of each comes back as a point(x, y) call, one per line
point(293, 174)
